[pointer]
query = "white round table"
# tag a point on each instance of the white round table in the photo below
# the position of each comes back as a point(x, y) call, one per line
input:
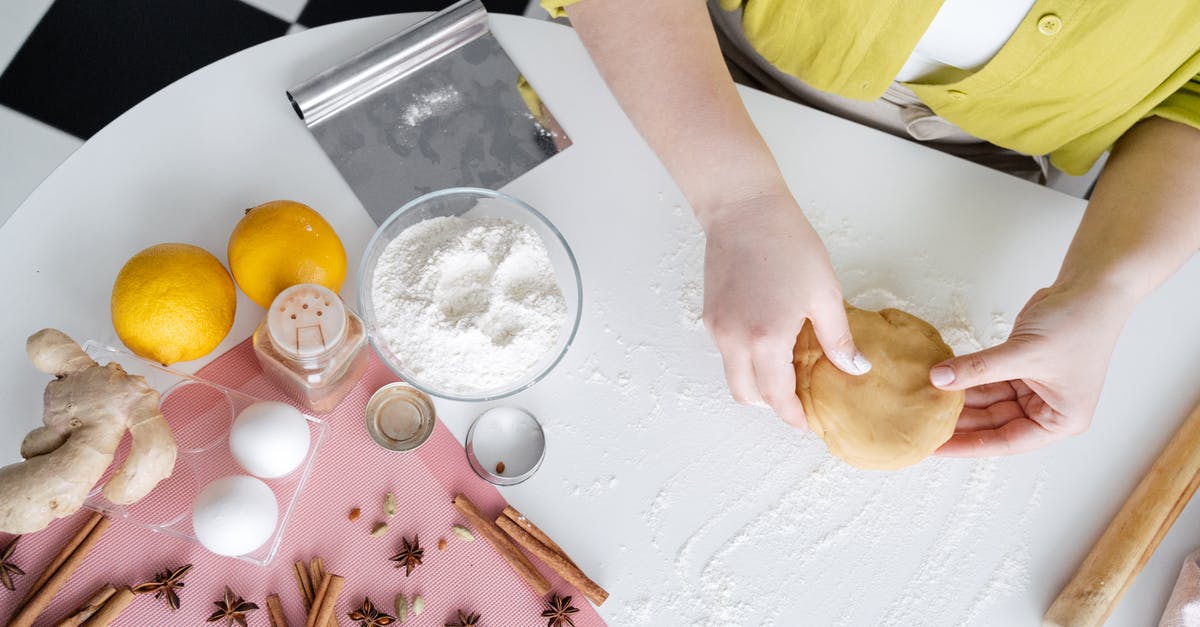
point(688, 508)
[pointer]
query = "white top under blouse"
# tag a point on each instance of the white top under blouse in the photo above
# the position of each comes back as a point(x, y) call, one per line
point(965, 34)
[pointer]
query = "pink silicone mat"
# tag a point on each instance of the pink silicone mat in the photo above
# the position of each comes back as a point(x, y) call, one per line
point(350, 471)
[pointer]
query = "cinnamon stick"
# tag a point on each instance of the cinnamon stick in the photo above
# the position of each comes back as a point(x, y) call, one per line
point(319, 563)
point(316, 569)
point(89, 607)
point(325, 601)
point(304, 584)
point(318, 597)
point(275, 611)
point(555, 560)
point(503, 545)
point(111, 608)
point(66, 567)
point(512, 514)
point(72, 544)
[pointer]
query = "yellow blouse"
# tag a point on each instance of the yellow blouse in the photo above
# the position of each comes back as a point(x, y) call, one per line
point(1074, 76)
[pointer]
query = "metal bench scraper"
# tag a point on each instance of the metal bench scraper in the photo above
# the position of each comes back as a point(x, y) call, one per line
point(437, 105)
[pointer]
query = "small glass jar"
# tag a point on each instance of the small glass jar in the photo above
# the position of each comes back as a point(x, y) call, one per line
point(400, 417)
point(312, 346)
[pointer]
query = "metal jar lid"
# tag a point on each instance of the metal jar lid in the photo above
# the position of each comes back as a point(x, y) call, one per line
point(399, 417)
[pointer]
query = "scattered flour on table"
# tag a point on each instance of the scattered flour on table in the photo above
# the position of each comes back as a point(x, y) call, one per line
point(956, 329)
point(427, 104)
point(899, 548)
point(468, 304)
point(687, 259)
point(597, 488)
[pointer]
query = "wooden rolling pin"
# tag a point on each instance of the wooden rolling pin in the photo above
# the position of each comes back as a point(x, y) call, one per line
point(1130, 539)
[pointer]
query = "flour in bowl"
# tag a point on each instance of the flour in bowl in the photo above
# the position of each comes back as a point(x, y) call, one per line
point(468, 305)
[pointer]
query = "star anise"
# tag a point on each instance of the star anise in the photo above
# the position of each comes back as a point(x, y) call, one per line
point(164, 585)
point(559, 612)
point(7, 568)
point(409, 556)
point(465, 620)
point(369, 616)
point(232, 609)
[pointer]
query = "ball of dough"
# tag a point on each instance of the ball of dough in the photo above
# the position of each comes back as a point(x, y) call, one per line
point(892, 416)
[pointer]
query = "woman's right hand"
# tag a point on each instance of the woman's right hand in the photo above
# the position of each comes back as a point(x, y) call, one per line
point(765, 273)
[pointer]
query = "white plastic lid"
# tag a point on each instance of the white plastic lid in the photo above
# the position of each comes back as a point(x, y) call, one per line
point(306, 320)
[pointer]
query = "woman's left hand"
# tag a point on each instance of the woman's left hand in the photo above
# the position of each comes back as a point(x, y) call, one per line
point(1043, 383)
point(1142, 223)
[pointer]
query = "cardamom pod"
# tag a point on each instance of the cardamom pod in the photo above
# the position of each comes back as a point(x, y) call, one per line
point(463, 533)
point(389, 504)
point(379, 529)
point(418, 605)
point(401, 608)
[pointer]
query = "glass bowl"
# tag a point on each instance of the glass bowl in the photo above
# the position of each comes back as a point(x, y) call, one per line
point(468, 202)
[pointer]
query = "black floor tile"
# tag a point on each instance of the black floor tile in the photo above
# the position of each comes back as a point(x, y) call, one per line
point(320, 12)
point(88, 61)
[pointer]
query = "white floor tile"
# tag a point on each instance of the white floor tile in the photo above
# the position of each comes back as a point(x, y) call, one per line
point(287, 10)
point(29, 152)
point(17, 19)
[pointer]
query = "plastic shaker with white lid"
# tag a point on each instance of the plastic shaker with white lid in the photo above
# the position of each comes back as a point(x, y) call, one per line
point(312, 346)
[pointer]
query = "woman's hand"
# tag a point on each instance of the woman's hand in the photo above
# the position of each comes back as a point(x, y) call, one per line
point(766, 272)
point(1042, 384)
point(1141, 224)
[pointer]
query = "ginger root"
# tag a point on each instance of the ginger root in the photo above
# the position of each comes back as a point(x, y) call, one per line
point(88, 408)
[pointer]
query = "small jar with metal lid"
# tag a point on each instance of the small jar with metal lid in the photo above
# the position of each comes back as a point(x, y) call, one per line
point(312, 346)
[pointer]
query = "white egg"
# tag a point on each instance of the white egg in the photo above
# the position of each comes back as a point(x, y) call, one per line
point(269, 439)
point(234, 515)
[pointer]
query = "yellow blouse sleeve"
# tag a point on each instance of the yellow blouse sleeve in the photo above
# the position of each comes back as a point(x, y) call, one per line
point(1183, 106)
point(557, 8)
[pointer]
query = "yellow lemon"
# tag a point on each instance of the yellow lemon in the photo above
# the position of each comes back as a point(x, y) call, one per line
point(173, 302)
point(282, 243)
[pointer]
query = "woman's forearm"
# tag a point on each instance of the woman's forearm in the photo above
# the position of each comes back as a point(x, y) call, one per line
point(662, 62)
point(1143, 221)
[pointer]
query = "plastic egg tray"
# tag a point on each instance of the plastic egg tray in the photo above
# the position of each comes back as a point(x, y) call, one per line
point(201, 414)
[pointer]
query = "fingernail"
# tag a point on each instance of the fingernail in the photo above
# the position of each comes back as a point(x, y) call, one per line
point(859, 364)
point(942, 375)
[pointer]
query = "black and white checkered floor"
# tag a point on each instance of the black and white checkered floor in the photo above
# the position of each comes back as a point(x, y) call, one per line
point(68, 67)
